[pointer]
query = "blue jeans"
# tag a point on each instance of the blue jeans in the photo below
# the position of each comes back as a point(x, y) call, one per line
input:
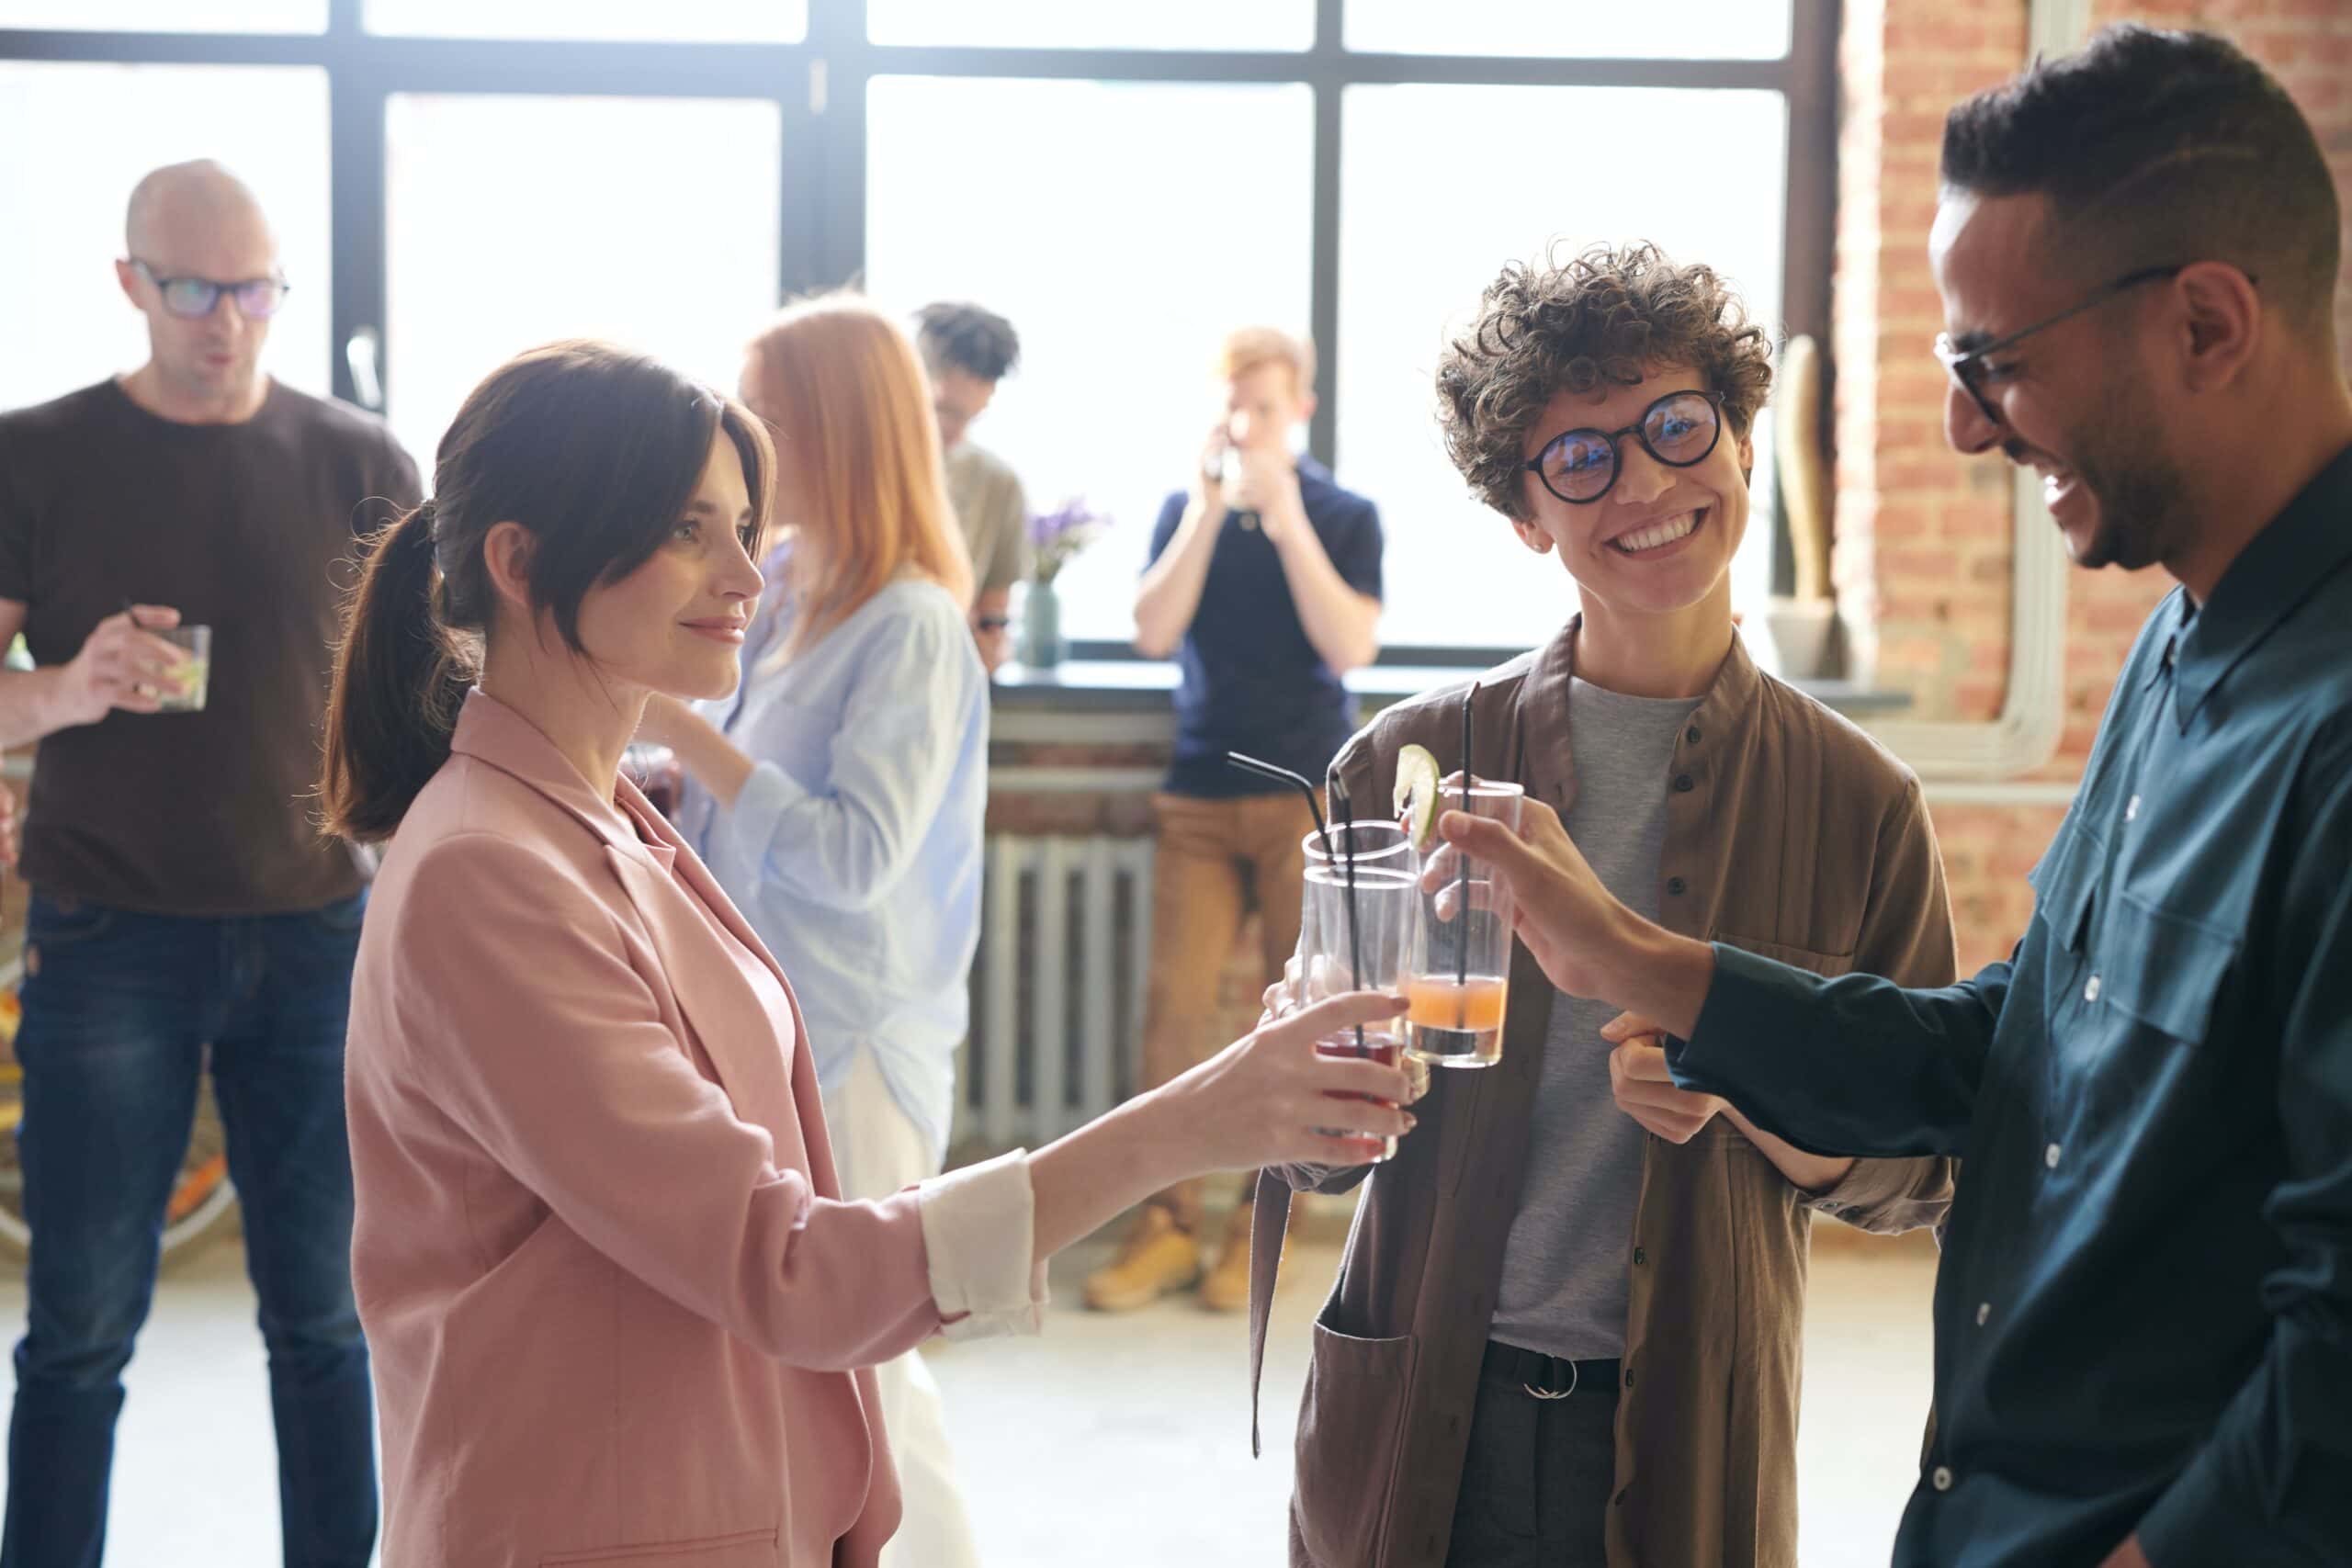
point(118, 1011)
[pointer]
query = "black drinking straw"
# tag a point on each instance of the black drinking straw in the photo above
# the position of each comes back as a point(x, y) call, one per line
point(1347, 813)
point(1270, 771)
point(1462, 875)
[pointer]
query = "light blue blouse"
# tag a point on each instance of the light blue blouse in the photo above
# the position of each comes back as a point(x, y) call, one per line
point(854, 848)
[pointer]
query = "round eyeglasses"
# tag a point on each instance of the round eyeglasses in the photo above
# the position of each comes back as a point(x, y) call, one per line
point(197, 297)
point(1678, 430)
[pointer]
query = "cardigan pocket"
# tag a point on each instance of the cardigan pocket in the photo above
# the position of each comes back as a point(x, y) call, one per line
point(1350, 1432)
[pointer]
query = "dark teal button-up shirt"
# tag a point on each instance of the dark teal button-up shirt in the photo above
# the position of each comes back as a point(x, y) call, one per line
point(2144, 1317)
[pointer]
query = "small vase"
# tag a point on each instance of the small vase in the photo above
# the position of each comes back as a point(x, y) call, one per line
point(1042, 644)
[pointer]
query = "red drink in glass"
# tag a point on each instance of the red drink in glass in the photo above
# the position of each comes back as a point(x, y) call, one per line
point(1381, 1048)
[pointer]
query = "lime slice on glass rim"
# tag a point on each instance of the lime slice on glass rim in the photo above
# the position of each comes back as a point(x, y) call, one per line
point(1416, 795)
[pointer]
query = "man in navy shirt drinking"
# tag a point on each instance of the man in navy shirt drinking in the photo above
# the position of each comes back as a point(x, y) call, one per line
point(1265, 584)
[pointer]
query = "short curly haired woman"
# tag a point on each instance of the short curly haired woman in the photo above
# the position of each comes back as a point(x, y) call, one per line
point(1597, 1279)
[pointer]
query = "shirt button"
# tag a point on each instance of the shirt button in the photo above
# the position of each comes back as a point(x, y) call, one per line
point(1692, 735)
point(1640, 1258)
point(1984, 1310)
point(1674, 886)
point(2050, 1157)
point(1629, 1377)
point(1942, 1479)
point(2090, 992)
point(2132, 810)
point(1684, 783)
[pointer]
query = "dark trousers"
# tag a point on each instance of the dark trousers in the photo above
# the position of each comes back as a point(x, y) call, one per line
point(1536, 1480)
point(119, 1009)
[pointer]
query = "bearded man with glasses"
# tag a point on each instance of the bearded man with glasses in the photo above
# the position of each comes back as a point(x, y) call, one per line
point(184, 903)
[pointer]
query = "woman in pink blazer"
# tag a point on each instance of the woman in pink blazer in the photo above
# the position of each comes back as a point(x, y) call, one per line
point(618, 1312)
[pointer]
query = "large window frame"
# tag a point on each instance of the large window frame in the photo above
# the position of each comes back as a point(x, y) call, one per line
point(819, 84)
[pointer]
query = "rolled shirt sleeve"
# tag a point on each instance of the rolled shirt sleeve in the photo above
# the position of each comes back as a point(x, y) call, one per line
point(980, 1236)
point(1853, 1066)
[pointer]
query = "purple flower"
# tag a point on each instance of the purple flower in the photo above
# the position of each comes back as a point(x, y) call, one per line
point(1055, 537)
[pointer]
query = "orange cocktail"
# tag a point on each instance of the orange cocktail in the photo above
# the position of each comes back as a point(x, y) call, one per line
point(1455, 1023)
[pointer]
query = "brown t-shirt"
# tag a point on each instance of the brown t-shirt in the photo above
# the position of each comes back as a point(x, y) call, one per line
point(246, 528)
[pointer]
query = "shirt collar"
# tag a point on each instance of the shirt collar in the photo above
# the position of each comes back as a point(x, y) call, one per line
point(2174, 614)
point(2298, 551)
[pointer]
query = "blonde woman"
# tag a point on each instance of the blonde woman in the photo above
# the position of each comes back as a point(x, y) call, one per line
point(837, 797)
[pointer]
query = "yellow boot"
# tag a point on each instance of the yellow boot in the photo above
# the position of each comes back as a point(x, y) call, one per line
point(1226, 1289)
point(1156, 1257)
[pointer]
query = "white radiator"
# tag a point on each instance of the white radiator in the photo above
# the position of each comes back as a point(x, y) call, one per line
point(1058, 988)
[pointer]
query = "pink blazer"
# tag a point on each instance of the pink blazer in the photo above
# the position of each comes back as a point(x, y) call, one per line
point(613, 1299)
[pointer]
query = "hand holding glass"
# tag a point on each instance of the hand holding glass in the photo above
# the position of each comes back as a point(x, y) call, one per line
point(193, 678)
point(1365, 939)
point(1458, 990)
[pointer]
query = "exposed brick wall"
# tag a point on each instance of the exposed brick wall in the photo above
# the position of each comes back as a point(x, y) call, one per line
point(1923, 555)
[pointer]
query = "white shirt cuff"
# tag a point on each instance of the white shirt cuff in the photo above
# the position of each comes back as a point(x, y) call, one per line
point(979, 1234)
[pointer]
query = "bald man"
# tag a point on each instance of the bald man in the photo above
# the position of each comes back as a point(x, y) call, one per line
point(181, 896)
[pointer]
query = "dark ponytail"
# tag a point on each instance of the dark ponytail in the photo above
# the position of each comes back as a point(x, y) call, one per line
point(399, 678)
point(594, 451)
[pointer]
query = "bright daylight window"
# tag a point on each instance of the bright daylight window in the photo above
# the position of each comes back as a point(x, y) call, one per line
point(779, 21)
point(66, 323)
point(1689, 30)
point(514, 222)
point(1092, 23)
point(169, 16)
point(1125, 183)
point(1122, 258)
point(1410, 272)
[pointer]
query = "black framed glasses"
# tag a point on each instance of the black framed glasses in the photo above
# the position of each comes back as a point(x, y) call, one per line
point(197, 297)
point(1678, 430)
point(1971, 367)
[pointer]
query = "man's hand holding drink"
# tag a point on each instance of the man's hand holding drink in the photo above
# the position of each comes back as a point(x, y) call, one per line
point(1589, 944)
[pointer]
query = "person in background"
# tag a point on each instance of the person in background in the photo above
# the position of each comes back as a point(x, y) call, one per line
point(838, 797)
point(1264, 584)
point(1603, 1276)
point(182, 897)
point(2143, 1313)
point(621, 1308)
point(965, 352)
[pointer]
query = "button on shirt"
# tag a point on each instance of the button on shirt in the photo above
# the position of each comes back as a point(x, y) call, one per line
point(855, 847)
point(2144, 1315)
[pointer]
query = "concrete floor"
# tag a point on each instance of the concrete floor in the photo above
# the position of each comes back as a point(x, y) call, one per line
point(1107, 1440)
